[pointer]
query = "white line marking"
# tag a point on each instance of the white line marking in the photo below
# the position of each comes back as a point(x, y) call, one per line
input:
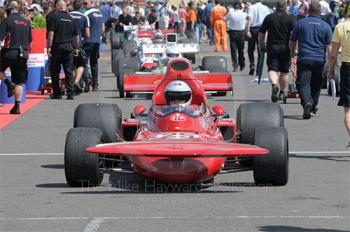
point(31, 154)
point(59, 153)
point(96, 221)
point(94, 224)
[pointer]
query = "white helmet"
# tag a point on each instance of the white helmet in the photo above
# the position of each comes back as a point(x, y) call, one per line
point(178, 93)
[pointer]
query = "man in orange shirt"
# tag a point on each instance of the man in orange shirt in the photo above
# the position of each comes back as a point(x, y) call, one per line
point(219, 26)
point(191, 18)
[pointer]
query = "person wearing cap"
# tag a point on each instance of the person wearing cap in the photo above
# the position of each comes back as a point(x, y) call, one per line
point(92, 45)
point(63, 40)
point(278, 26)
point(219, 25)
point(314, 37)
point(236, 23)
point(257, 13)
point(15, 32)
point(35, 14)
point(341, 38)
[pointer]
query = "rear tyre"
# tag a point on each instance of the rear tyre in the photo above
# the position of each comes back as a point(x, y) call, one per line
point(116, 40)
point(271, 169)
point(116, 55)
point(82, 168)
point(215, 64)
point(253, 115)
point(128, 47)
point(104, 116)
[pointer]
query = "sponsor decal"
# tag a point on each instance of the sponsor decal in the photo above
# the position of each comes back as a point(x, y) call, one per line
point(177, 118)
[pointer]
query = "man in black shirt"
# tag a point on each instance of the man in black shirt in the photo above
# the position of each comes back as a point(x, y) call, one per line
point(279, 26)
point(153, 19)
point(123, 20)
point(63, 38)
point(16, 32)
point(137, 20)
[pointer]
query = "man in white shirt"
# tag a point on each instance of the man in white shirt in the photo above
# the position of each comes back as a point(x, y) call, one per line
point(257, 13)
point(236, 22)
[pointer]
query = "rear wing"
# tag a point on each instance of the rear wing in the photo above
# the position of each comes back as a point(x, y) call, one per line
point(148, 82)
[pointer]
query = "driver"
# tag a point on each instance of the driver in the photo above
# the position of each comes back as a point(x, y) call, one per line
point(178, 93)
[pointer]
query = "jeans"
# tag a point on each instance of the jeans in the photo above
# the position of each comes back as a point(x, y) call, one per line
point(237, 47)
point(199, 31)
point(210, 34)
point(252, 43)
point(92, 51)
point(309, 81)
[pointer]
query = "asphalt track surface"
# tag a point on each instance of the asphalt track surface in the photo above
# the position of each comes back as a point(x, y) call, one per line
point(34, 195)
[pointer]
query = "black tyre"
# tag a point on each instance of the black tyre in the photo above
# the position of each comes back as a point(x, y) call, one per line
point(253, 115)
point(215, 64)
point(191, 57)
point(116, 55)
point(128, 63)
point(271, 169)
point(104, 116)
point(128, 47)
point(116, 40)
point(82, 168)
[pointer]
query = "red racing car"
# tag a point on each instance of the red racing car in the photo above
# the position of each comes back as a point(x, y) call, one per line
point(179, 140)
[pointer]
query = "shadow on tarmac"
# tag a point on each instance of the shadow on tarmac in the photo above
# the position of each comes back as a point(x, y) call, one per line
point(337, 158)
point(53, 166)
point(295, 229)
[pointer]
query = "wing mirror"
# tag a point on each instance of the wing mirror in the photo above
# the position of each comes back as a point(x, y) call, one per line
point(139, 110)
point(218, 110)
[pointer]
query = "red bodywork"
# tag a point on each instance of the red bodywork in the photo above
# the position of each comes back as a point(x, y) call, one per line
point(150, 33)
point(181, 146)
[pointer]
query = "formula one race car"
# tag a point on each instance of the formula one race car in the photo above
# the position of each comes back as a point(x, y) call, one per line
point(180, 139)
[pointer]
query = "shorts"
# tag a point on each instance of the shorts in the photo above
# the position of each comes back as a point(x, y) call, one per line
point(80, 60)
point(17, 65)
point(344, 99)
point(278, 58)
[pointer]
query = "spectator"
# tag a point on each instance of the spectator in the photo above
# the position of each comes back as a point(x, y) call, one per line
point(341, 38)
point(191, 18)
point(314, 36)
point(257, 13)
point(92, 45)
point(16, 32)
point(83, 24)
point(207, 15)
point(236, 22)
point(63, 38)
point(115, 11)
point(137, 20)
point(37, 19)
point(199, 26)
point(278, 26)
point(303, 9)
point(217, 22)
point(294, 8)
point(175, 18)
point(153, 19)
point(164, 17)
point(182, 16)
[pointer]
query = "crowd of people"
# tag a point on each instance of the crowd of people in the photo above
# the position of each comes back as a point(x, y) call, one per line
point(312, 30)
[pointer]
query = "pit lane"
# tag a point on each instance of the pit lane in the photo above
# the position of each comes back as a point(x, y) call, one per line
point(34, 195)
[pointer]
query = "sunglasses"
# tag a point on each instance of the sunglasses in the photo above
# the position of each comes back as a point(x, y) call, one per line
point(85, 3)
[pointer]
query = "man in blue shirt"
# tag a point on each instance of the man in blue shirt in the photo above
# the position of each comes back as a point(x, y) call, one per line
point(83, 25)
point(314, 36)
point(207, 13)
point(106, 13)
point(92, 45)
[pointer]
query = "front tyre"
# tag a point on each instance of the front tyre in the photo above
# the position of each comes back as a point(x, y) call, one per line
point(82, 168)
point(271, 169)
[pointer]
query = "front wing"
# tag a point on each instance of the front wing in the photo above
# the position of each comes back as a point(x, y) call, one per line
point(176, 149)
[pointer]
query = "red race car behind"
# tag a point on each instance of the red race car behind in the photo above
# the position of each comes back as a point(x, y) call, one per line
point(177, 143)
